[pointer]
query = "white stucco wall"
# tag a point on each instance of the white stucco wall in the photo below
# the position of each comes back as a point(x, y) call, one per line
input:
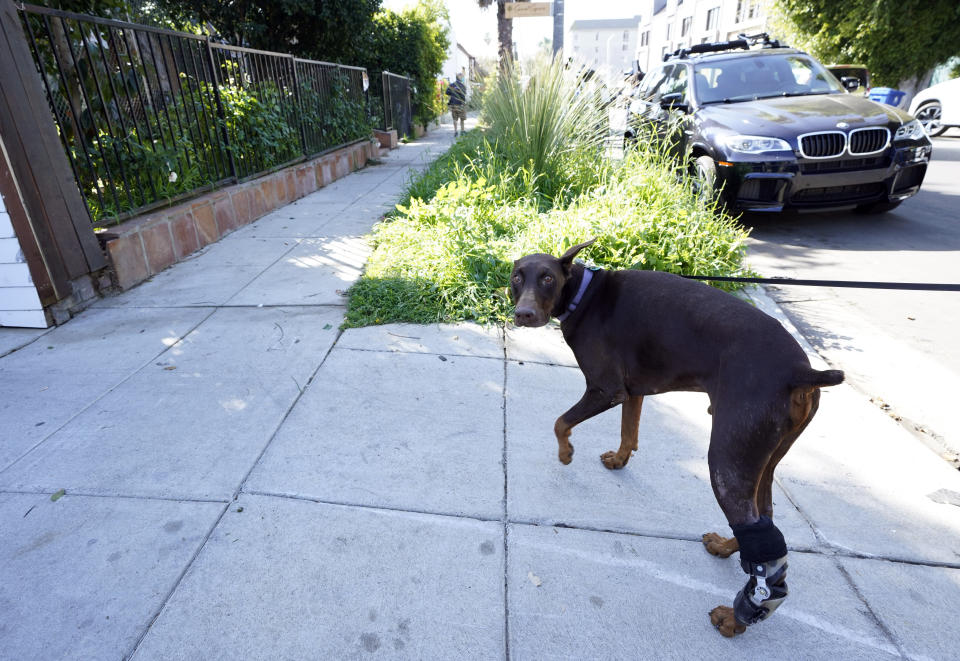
point(19, 303)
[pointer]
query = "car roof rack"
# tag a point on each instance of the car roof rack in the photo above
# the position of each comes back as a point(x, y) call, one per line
point(743, 42)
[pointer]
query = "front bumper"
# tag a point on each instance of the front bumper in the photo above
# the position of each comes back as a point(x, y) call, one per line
point(798, 183)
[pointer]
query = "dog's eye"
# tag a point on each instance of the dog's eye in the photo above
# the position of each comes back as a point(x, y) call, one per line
point(547, 280)
point(516, 279)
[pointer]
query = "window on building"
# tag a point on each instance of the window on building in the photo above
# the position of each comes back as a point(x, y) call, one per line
point(747, 10)
point(596, 37)
point(626, 46)
point(645, 39)
point(626, 35)
point(712, 18)
point(668, 31)
point(664, 51)
point(685, 26)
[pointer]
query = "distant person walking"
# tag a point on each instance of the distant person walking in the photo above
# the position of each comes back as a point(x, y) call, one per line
point(457, 92)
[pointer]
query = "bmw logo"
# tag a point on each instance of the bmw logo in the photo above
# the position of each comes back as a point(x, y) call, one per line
point(842, 125)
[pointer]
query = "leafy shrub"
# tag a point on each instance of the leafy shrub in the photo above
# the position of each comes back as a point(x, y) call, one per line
point(449, 257)
point(554, 126)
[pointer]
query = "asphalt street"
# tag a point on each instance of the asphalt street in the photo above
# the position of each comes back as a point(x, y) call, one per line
point(899, 347)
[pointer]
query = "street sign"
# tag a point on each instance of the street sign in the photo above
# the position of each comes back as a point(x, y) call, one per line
point(526, 9)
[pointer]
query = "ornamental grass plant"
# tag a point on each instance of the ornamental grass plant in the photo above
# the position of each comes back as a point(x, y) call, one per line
point(537, 178)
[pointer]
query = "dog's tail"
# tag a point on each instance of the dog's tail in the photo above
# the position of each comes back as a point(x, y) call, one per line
point(811, 378)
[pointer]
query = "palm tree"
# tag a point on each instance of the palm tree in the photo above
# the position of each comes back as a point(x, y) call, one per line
point(504, 29)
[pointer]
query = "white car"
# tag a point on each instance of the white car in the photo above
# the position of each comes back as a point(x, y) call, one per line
point(938, 107)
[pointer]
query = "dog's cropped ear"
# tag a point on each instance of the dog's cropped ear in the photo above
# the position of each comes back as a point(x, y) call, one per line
point(568, 256)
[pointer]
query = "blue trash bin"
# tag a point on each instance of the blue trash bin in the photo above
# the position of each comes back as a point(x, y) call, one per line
point(887, 95)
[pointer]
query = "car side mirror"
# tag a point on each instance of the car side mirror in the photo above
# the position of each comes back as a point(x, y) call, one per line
point(674, 101)
point(850, 83)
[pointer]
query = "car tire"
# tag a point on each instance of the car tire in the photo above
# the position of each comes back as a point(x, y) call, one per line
point(878, 207)
point(928, 114)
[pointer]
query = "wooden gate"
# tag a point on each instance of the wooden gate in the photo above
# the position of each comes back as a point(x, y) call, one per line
point(47, 212)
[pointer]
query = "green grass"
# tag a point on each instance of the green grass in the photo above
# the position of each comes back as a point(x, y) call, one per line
point(447, 251)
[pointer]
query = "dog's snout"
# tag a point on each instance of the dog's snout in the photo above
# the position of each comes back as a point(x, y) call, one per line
point(524, 316)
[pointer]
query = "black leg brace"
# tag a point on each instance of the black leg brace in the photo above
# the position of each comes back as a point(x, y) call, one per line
point(763, 555)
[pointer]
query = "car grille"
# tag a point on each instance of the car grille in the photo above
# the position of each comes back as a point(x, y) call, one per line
point(839, 194)
point(822, 145)
point(829, 144)
point(844, 165)
point(868, 141)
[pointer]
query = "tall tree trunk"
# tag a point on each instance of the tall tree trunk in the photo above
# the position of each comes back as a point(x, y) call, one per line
point(504, 34)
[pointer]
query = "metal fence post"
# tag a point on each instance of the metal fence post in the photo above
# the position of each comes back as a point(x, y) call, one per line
point(299, 106)
point(221, 115)
point(387, 104)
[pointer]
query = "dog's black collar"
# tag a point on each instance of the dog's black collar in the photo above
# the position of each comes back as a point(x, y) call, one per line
point(584, 283)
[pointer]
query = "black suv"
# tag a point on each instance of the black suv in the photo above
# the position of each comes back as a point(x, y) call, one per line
point(771, 129)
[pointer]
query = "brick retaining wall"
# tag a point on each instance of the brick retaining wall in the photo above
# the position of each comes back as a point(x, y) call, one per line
point(145, 245)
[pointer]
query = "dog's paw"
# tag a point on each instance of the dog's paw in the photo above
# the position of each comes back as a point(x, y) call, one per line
point(566, 455)
point(613, 461)
point(722, 547)
point(723, 620)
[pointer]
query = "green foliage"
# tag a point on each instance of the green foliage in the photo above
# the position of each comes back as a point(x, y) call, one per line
point(449, 258)
point(410, 43)
point(896, 39)
point(330, 30)
point(446, 253)
point(553, 126)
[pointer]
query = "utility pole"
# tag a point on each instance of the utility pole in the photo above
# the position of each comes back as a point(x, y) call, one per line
point(557, 26)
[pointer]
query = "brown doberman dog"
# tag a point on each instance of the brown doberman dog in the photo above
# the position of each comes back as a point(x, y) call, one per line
point(638, 333)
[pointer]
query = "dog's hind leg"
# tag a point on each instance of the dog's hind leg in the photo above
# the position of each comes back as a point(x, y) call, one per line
point(629, 427)
point(803, 406)
point(740, 452)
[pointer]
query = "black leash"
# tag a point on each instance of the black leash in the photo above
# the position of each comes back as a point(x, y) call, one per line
point(907, 286)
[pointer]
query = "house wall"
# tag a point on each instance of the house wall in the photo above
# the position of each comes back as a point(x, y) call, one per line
point(19, 302)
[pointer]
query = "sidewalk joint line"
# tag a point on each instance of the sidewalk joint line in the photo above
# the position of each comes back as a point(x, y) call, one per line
point(506, 526)
point(293, 405)
point(89, 494)
point(419, 353)
point(363, 506)
point(873, 614)
point(176, 584)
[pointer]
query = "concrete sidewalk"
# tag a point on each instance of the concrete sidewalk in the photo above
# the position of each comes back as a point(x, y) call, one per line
point(244, 481)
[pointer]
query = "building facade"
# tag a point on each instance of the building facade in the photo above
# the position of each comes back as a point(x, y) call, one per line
point(606, 46)
point(673, 24)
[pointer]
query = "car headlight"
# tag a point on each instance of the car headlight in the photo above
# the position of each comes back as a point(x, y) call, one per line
point(755, 144)
point(912, 130)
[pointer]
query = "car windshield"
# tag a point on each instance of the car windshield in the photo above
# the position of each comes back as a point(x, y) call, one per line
point(751, 78)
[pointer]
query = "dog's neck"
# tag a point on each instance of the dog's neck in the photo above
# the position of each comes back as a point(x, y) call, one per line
point(572, 293)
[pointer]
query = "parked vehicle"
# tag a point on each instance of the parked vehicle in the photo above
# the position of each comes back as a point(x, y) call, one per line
point(938, 107)
point(858, 71)
point(769, 129)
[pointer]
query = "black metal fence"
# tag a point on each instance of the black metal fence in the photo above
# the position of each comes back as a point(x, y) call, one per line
point(396, 103)
point(148, 116)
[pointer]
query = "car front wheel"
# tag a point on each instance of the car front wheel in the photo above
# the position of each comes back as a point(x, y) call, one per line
point(929, 115)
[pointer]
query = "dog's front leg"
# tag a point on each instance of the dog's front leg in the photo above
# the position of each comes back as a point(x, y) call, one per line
point(629, 427)
point(594, 401)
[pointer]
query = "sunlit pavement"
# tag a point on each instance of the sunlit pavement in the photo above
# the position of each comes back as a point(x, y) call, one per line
point(206, 467)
